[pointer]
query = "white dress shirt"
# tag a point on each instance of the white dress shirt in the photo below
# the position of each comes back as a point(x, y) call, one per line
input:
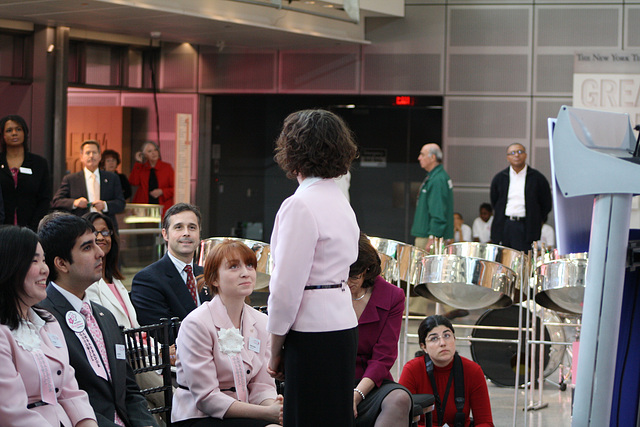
point(88, 184)
point(515, 199)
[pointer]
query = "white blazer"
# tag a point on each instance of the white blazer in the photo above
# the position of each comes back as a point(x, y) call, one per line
point(205, 371)
point(101, 293)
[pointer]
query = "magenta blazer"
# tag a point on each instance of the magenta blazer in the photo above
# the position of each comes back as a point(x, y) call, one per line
point(20, 383)
point(206, 371)
point(379, 331)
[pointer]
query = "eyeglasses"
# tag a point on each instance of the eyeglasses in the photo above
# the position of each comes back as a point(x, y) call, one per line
point(514, 152)
point(356, 276)
point(435, 339)
point(104, 233)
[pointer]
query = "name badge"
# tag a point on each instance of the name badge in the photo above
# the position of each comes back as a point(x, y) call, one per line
point(55, 340)
point(75, 321)
point(120, 352)
point(26, 171)
point(254, 345)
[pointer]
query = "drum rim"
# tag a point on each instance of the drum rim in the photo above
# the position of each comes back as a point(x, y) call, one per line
point(550, 331)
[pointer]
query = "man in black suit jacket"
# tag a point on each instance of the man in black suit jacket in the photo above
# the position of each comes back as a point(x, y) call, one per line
point(520, 207)
point(162, 289)
point(74, 194)
point(75, 262)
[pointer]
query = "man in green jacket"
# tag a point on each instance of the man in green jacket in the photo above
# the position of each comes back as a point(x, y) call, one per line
point(434, 209)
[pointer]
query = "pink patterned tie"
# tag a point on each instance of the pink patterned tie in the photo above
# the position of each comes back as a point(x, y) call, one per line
point(96, 333)
point(191, 283)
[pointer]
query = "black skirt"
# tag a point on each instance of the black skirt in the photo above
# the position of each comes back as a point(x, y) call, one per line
point(319, 368)
point(226, 422)
point(369, 408)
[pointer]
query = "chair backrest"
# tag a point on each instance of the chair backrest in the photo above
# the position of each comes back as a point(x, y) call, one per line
point(148, 350)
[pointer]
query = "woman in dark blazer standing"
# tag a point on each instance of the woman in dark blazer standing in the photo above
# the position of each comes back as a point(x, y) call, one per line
point(24, 176)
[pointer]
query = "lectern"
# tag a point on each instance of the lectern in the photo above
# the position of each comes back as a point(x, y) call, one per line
point(593, 159)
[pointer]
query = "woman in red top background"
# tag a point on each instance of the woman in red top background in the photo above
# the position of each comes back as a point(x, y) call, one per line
point(149, 164)
point(437, 339)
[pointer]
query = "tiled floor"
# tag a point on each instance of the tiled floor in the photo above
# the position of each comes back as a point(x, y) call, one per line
point(558, 409)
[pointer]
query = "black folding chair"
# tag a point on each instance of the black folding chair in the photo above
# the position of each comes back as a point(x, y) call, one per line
point(148, 350)
point(423, 405)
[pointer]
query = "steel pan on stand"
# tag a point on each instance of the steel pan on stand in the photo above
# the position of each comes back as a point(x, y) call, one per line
point(389, 267)
point(561, 282)
point(516, 260)
point(466, 282)
point(407, 257)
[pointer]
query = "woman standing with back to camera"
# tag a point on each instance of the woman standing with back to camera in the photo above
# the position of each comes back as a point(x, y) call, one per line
point(315, 240)
point(24, 176)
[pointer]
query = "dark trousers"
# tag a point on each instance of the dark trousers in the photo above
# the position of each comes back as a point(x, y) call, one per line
point(514, 235)
point(319, 368)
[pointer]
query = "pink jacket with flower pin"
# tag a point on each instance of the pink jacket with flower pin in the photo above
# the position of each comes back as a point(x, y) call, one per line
point(205, 370)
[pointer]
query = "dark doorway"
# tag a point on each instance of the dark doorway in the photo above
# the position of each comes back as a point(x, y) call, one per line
point(247, 187)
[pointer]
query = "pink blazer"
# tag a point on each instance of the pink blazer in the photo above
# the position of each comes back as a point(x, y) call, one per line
point(205, 370)
point(314, 242)
point(20, 383)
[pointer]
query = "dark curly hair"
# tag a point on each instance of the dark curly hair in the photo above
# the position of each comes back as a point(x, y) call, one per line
point(315, 143)
point(109, 153)
point(22, 123)
point(368, 262)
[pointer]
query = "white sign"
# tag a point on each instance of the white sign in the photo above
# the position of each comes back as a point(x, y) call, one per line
point(618, 93)
point(183, 158)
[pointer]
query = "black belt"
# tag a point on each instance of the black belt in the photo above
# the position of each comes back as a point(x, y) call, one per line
point(36, 404)
point(312, 287)
point(233, 389)
point(516, 218)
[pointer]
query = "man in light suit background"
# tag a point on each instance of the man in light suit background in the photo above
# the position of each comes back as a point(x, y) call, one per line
point(90, 189)
point(95, 342)
point(167, 288)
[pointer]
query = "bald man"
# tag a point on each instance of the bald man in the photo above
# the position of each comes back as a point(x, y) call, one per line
point(521, 198)
point(434, 209)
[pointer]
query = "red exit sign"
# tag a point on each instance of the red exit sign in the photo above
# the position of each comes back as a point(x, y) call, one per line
point(405, 100)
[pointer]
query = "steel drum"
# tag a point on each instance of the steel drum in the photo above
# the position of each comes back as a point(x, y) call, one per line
point(261, 249)
point(407, 257)
point(560, 283)
point(466, 282)
point(515, 260)
point(498, 360)
point(389, 268)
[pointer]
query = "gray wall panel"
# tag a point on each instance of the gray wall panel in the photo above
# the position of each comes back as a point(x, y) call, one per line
point(487, 118)
point(489, 27)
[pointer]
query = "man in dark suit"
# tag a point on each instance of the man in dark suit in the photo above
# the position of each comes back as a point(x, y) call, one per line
point(95, 342)
point(167, 288)
point(521, 199)
point(90, 189)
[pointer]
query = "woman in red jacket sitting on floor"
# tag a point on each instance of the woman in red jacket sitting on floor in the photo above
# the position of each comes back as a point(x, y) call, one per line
point(438, 366)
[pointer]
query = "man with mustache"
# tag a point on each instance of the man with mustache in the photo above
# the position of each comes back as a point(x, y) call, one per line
point(167, 288)
point(94, 339)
